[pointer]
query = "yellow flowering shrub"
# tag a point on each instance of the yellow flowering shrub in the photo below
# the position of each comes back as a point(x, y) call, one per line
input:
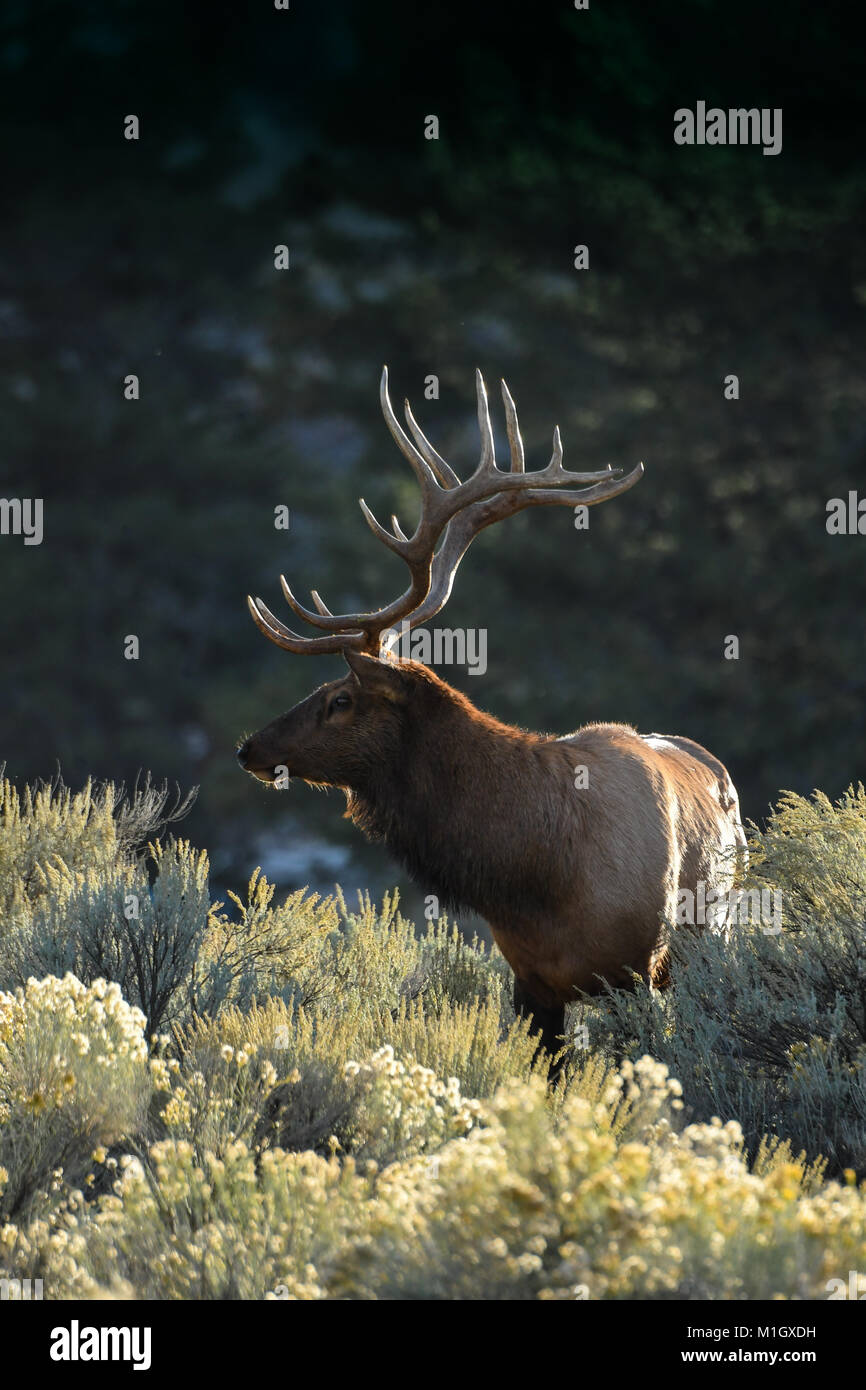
point(73, 1073)
point(532, 1201)
point(343, 1108)
point(406, 1108)
point(224, 1085)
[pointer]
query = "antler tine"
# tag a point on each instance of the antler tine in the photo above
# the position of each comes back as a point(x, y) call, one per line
point(487, 462)
point(292, 642)
point(610, 484)
point(295, 604)
point(515, 443)
point(398, 530)
point(344, 624)
point(421, 468)
point(555, 464)
point(554, 472)
point(314, 619)
point(322, 607)
point(444, 472)
point(395, 542)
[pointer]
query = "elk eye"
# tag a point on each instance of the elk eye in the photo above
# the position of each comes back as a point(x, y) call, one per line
point(341, 702)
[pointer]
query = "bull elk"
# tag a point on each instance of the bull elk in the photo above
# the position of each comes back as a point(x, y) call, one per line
point(576, 884)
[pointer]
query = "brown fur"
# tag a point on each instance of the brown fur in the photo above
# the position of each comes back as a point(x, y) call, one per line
point(575, 884)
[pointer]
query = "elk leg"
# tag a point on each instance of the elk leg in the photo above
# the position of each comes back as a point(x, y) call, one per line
point(546, 1022)
point(660, 968)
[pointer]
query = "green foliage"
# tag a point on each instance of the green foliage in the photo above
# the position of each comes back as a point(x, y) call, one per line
point(341, 1107)
point(78, 898)
point(766, 1027)
point(113, 923)
point(264, 950)
point(47, 823)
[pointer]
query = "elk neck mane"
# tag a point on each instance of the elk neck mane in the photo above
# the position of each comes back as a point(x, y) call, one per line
point(454, 797)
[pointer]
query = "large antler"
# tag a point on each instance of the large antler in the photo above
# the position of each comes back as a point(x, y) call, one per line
point(452, 510)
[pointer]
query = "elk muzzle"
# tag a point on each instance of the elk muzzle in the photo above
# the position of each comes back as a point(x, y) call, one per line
point(252, 760)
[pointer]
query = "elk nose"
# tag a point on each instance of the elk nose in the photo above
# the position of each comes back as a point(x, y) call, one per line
point(244, 753)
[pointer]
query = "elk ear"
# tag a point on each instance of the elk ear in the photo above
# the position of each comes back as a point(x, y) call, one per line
point(379, 677)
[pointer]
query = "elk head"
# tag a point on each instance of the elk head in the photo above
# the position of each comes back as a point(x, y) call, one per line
point(346, 730)
point(341, 734)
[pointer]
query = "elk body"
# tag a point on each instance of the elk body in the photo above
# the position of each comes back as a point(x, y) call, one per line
point(575, 875)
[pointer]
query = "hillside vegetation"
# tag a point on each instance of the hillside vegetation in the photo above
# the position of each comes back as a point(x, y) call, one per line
point(261, 1098)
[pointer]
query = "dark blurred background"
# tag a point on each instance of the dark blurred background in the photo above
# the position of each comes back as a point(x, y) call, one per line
point(260, 387)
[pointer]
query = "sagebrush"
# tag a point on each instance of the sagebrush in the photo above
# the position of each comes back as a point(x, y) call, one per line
point(292, 1099)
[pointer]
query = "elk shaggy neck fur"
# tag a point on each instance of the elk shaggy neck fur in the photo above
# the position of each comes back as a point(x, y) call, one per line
point(453, 793)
